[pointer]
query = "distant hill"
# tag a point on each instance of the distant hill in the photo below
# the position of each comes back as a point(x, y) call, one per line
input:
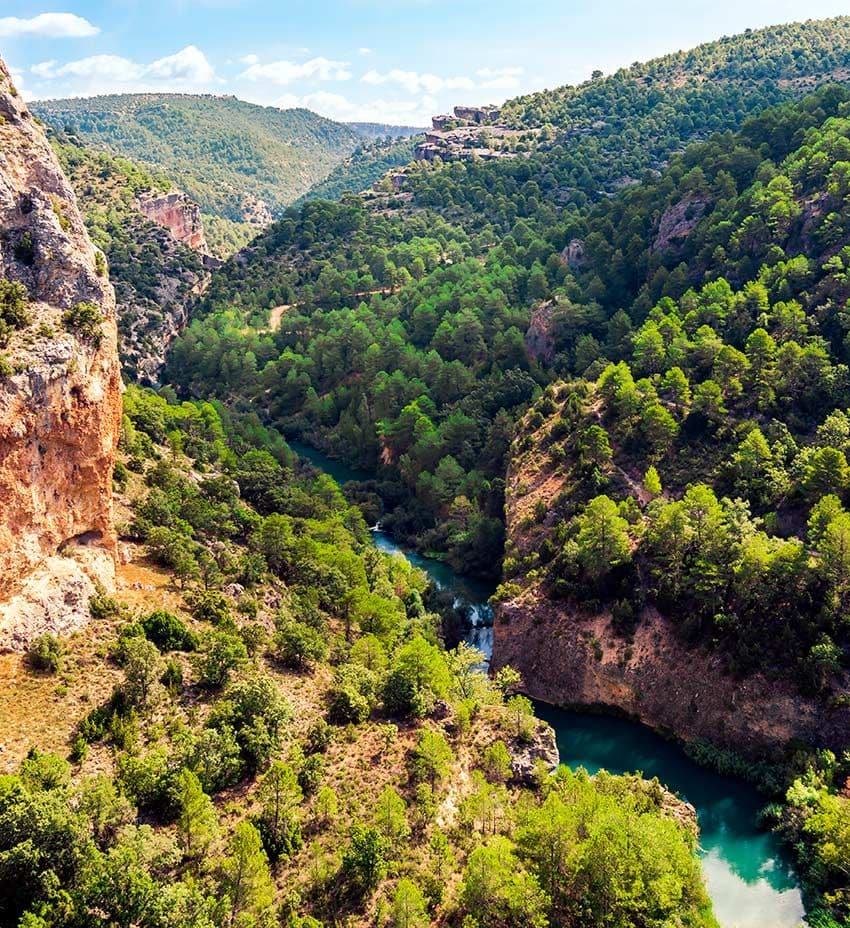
point(597, 138)
point(239, 161)
point(377, 130)
point(361, 169)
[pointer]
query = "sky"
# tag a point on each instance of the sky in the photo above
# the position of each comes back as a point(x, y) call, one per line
point(390, 61)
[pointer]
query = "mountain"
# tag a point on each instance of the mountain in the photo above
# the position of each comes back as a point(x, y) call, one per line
point(154, 268)
point(577, 144)
point(237, 160)
point(630, 340)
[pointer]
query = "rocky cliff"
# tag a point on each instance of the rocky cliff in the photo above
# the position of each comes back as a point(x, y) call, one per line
point(177, 213)
point(60, 391)
point(572, 655)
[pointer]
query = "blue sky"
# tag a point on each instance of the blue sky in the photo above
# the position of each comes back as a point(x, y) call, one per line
point(397, 61)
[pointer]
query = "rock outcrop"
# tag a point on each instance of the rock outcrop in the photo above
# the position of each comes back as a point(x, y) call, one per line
point(60, 391)
point(526, 756)
point(572, 655)
point(177, 213)
point(540, 338)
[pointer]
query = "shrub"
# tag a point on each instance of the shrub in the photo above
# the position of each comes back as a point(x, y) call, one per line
point(45, 653)
point(210, 606)
point(59, 212)
point(168, 632)
point(86, 319)
point(13, 309)
point(298, 645)
point(102, 606)
point(220, 654)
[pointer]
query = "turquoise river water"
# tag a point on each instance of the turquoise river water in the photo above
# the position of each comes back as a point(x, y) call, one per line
point(749, 878)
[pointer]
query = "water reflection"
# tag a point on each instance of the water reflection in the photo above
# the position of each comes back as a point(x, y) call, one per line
point(748, 875)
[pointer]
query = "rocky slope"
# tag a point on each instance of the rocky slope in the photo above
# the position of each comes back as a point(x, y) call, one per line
point(60, 392)
point(155, 246)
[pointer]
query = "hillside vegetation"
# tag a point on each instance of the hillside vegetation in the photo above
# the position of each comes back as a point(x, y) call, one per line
point(287, 741)
point(676, 352)
point(237, 160)
point(153, 274)
point(363, 168)
point(606, 133)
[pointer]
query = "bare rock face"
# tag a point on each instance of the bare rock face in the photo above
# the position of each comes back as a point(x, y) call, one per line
point(526, 756)
point(177, 213)
point(576, 659)
point(540, 339)
point(573, 254)
point(678, 221)
point(60, 407)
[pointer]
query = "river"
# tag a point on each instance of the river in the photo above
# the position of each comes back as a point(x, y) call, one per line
point(749, 878)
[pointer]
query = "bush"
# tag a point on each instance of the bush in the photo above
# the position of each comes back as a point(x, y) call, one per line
point(168, 632)
point(86, 319)
point(102, 606)
point(298, 645)
point(45, 653)
point(13, 309)
point(210, 606)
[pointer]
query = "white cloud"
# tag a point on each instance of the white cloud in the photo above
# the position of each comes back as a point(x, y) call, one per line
point(48, 26)
point(364, 51)
point(189, 65)
point(103, 67)
point(499, 78)
point(416, 112)
point(185, 69)
point(250, 59)
point(287, 72)
point(414, 82)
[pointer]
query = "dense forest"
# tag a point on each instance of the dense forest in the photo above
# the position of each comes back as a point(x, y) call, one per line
point(238, 161)
point(695, 321)
point(368, 164)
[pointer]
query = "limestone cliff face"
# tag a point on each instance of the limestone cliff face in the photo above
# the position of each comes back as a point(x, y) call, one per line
point(60, 407)
point(572, 658)
point(177, 213)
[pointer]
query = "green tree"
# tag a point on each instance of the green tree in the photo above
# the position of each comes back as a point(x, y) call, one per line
point(365, 860)
point(431, 756)
point(278, 821)
point(246, 884)
point(499, 892)
point(143, 668)
point(197, 824)
point(409, 909)
point(603, 538)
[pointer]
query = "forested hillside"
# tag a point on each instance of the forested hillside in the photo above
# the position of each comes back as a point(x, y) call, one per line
point(693, 458)
point(153, 274)
point(278, 736)
point(417, 358)
point(606, 133)
point(239, 161)
point(364, 167)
